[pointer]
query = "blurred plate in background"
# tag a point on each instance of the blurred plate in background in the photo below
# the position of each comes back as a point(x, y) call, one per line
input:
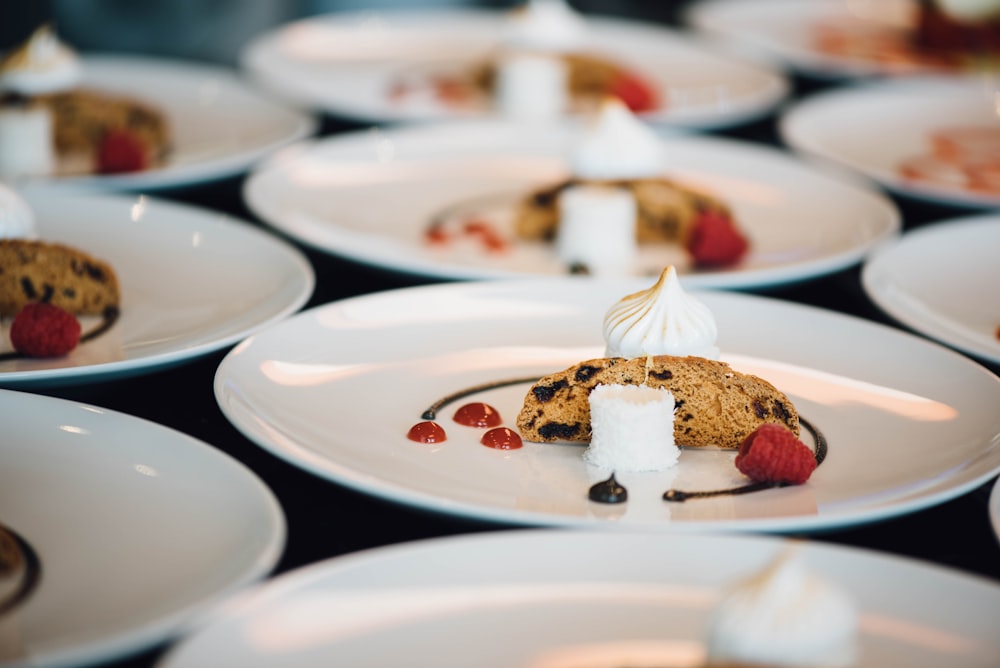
point(557, 599)
point(375, 197)
point(220, 125)
point(350, 64)
point(941, 280)
point(192, 281)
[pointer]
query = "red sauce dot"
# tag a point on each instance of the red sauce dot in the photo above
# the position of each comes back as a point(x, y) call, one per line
point(502, 438)
point(478, 415)
point(426, 432)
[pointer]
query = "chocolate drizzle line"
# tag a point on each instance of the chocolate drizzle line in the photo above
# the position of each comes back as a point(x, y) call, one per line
point(108, 319)
point(32, 572)
point(821, 448)
point(432, 411)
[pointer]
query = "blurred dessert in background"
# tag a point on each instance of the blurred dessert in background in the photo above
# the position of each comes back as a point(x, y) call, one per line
point(52, 124)
point(959, 29)
point(784, 615)
point(617, 159)
point(547, 36)
point(903, 35)
point(963, 158)
point(542, 67)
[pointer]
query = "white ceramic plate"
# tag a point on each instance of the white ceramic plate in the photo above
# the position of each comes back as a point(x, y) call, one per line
point(373, 196)
point(548, 599)
point(138, 529)
point(335, 390)
point(941, 281)
point(348, 63)
point(786, 30)
point(220, 125)
point(873, 129)
point(192, 281)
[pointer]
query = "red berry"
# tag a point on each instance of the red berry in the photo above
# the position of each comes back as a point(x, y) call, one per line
point(44, 330)
point(772, 453)
point(716, 241)
point(634, 93)
point(120, 151)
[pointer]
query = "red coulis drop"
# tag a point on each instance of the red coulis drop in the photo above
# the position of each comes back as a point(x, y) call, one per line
point(502, 438)
point(478, 414)
point(426, 432)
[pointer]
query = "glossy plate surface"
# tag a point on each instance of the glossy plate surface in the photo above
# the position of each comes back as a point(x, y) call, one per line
point(220, 125)
point(547, 599)
point(192, 281)
point(875, 129)
point(790, 32)
point(374, 196)
point(953, 302)
point(138, 529)
point(335, 390)
point(350, 63)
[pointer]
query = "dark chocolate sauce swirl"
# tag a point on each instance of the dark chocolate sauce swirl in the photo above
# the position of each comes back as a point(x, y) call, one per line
point(678, 495)
point(32, 569)
point(608, 491)
point(108, 319)
point(432, 411)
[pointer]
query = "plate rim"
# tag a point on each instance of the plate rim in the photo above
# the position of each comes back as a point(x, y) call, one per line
point(873, 273)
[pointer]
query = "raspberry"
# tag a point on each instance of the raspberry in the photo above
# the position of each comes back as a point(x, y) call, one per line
point(44, 330)
point(772, 453)
point(715, 240)
point(120, 151)
point(634, 93)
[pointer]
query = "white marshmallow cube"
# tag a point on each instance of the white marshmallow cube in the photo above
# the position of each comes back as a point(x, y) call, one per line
point(633, 428)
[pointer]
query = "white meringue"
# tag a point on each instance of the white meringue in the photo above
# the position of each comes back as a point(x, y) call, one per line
point(662, 320)
point(546, 25)
point(41, 65)
point(617, 146)
point(784, 616)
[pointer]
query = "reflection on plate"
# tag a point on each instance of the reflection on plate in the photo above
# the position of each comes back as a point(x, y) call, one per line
point(220, 125)
point(335, 390)
point(373, 196)
point(930, 138)
point(351, 63)
point(941, 280)
point(558, 599)
point(137, 528)
point(192, 281)
point(833, 39)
